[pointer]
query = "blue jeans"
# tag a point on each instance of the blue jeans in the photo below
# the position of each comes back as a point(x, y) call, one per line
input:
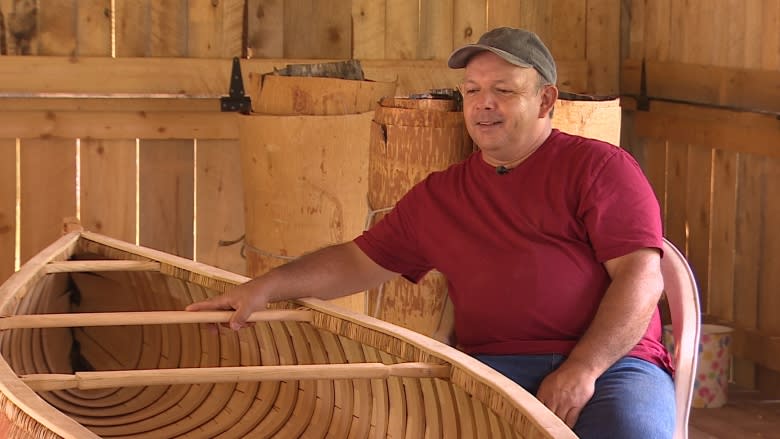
point(634, 399)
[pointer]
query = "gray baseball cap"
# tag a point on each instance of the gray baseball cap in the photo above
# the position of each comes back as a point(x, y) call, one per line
point(517, 46)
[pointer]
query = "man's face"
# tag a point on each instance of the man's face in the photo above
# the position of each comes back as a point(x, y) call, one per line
point(502, 104)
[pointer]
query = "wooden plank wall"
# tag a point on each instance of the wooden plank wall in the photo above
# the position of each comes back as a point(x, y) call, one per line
point(710, 144)
point(164, 172)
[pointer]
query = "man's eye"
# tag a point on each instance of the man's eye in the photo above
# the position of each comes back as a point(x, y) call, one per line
point(471, 91)
point(504, 91)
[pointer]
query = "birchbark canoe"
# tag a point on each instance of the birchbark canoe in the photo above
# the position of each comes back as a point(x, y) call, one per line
point(95, 343)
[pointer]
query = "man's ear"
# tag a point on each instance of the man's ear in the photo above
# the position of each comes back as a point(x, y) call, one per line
point(549, 96)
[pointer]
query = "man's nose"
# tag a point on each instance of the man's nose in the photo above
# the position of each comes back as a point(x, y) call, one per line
point(485, 100)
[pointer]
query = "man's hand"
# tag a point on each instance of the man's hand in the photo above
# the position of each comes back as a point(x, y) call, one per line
point(244, 299)
point(566, 391)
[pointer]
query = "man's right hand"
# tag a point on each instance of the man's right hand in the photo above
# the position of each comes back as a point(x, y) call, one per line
point(243, 299)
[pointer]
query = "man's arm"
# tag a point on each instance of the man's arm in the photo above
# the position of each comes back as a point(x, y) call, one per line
point(620, 322)
point(327, 273)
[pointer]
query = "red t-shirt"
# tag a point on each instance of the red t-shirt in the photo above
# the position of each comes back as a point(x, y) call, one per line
point(523, 252)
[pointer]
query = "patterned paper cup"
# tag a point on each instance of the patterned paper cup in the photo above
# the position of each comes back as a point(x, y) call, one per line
point(712, 374)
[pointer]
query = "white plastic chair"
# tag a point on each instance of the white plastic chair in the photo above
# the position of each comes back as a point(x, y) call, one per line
point(682, 295)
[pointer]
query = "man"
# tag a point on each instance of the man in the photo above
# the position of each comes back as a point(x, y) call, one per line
point(550, 244)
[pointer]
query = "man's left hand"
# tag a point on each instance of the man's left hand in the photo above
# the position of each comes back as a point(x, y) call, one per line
point(566, 391)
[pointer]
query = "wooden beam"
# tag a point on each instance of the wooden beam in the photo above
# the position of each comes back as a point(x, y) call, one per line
point(748, 89)
point(746, 132)
point(143, 318)
point(233, 374)
point(118, 125)
point(27, 76)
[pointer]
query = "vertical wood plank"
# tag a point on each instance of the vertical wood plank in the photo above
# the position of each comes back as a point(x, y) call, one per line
point(48, 191)
point(537, 16)
point(133, 27)
point(93, 28)
point(7, 207)
point(215, 29)
point(677, 194)
point(770, 38)
point(21, 17)
point(505, 13)
point(368, 29)
point(568, 36)
point(698, 217)
point(168, 28)
point(220, 204)
point(108, 186)
point(751, 176)
point(469, 21)
point(309, 32)
point(634, 35)
point(436, 29)
point(57, 27)
point(166, 195)
point(769, 277)
point(265, 28)
point(753, 10)
point(656, 169)
point(658, 30)
point(723, 230)
point(402, 24)
point(729, 50)
point(602, 48)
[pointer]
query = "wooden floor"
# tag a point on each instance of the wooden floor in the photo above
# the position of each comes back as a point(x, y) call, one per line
point(744, 416)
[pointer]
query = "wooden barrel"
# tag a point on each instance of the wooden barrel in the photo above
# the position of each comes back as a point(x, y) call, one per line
point(597, 117)
point(285, 95)
point(410, 138)
point(304, 155)
point(407, 144)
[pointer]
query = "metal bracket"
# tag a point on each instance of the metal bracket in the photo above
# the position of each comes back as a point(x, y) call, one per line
point(237, 101)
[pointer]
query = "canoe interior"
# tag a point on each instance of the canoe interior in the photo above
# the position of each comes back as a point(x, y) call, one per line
point(461, 406)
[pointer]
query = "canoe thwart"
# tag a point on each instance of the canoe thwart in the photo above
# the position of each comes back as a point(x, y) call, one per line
point(83, 266)
point(144, 318)
point(235, 374)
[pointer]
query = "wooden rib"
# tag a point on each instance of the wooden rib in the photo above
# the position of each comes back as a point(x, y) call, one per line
point(380, 408)
point(143, 318)
point(397, 412)
point(79, 266)
point(344, 396)
point(305, 403)
point(363, 399)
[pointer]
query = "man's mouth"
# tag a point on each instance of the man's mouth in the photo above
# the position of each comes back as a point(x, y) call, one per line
point(487, 123)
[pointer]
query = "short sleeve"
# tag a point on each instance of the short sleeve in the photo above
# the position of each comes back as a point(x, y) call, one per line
point(620, 209)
